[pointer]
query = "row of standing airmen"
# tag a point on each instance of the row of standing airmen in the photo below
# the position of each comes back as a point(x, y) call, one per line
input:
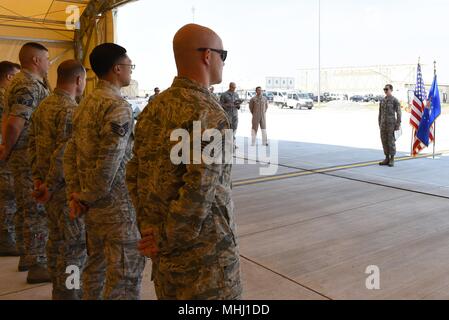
point(94, 191)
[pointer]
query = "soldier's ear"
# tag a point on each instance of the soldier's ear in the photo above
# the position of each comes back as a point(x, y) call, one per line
point(206, 55)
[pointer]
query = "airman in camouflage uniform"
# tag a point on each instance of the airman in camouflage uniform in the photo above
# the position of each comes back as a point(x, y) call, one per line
point(186, 211)
point(230, 102)
point(7, 197)
point(51, 127)
point(389, 122)
point(94, 167)
point(23, 96)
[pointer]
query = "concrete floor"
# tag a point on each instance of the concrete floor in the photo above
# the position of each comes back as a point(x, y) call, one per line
point(312, 236)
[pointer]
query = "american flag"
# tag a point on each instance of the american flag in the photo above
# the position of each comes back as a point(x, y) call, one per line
point(418, 106)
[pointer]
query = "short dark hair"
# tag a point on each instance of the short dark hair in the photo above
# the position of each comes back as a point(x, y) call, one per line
point(7, 67)
point(30, 45)
point(157, 88)
point(389, 86)
point(258, 88)
point(69, 70)
point(35, 45)
point(104, 57)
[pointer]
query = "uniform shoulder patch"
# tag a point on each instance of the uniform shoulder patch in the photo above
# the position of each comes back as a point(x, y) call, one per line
point(24, 97)
point(120, 129)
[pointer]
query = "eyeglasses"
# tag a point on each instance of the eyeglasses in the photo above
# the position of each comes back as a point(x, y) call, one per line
point(223, 53)
point(386, 89)
point(132, 66)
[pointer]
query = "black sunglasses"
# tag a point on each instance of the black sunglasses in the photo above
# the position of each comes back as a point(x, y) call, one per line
point(223, 53)
point(386, 89)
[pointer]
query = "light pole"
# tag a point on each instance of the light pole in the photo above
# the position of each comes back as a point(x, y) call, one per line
point(319, 53)
point(193, 13)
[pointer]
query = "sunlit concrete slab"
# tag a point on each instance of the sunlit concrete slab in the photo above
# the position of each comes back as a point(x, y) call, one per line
point(406, 237)
point(420, 175)
point(275, 204)
point(310, 156)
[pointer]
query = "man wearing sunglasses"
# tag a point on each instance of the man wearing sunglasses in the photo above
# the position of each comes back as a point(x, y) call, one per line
point(389, 122)
point(185, 211)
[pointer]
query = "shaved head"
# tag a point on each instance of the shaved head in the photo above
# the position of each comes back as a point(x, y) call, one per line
point(69, 71)
point(190, 61)
point(34, 57)
point(29, 51)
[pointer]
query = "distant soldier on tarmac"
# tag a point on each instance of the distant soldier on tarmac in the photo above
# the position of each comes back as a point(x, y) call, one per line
point(389, 122)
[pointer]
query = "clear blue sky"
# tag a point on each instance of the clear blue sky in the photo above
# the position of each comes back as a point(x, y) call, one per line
point(275, 38)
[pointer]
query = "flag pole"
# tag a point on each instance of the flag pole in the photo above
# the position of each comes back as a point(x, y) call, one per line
point(435, 123)
point(413, 128)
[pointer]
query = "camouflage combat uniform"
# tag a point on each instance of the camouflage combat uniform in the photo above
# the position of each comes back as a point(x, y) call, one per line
point(22, 98)
point(51, 127)
point(258, 106)
point(7, 198)
point(94, 167)
point(227, 101)
point(190, 206)
point(389, 121)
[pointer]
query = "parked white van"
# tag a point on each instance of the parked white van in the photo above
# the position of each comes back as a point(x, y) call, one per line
point(299, 100)
point(279, 98)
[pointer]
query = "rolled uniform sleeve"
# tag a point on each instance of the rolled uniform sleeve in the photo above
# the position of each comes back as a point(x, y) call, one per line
point(23, 103)
point(114, 137)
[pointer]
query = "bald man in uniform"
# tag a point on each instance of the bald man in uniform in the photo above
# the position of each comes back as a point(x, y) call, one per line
point(185, 211)
point(27, 90)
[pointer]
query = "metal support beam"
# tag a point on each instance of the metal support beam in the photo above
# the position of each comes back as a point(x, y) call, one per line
point(35, 39)
point(28, 19)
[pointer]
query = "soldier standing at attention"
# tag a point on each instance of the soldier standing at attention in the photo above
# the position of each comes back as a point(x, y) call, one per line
point(23, 96)
point(51, 126)
point(7, 198)
point(258, 106)
point(94, 168)
point(186, 211)
point(389, 122)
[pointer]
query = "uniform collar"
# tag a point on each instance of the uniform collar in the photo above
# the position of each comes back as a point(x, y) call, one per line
point(103, 84)
point(64, 94)
point(32, 76)
point(185, 83)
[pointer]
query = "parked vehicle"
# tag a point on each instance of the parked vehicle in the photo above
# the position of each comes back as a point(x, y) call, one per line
point(357, 98)
point(269, 96)
point(299, 100)
point(279, 98)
